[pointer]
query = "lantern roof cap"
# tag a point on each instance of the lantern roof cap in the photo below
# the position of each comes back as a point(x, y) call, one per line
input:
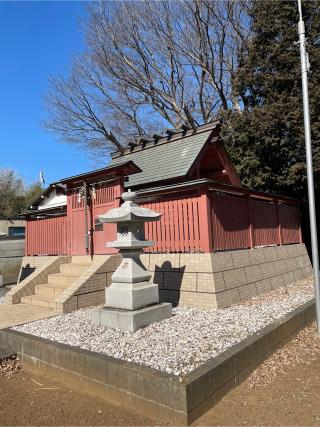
point(129, 211)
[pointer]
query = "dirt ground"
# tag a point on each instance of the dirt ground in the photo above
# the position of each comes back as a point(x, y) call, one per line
point(27, 399)
point(284, 391)
point(292, 400)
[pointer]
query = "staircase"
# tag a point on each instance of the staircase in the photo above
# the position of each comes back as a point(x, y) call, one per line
point(46, 293)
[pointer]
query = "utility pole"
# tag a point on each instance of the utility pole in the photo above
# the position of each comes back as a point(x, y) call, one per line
point(307, 135)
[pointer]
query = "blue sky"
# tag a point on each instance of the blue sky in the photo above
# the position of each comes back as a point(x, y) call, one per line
point(38, 39)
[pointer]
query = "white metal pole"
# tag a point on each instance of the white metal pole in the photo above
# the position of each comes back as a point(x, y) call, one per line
point(307, 134)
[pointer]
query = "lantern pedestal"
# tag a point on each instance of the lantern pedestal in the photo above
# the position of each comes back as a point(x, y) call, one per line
point(132, 299)
point(127, 320)
point(131, 296)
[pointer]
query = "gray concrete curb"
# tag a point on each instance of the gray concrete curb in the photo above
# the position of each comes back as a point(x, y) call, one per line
point(148, 390)
point(5, 354)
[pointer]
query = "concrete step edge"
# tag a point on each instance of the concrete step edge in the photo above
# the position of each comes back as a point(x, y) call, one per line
point(37, 298)
point(52, 285)
point(78, 264)
point(62, 275)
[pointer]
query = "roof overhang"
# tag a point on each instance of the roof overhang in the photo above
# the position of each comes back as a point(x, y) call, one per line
point(126, 168)
point(45, 213)
point(211, 185)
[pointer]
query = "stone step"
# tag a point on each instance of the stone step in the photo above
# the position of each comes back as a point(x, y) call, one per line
point(81, 259)
point(39, 300)
point(50, 289)
point(73, 269)
point(62, 279)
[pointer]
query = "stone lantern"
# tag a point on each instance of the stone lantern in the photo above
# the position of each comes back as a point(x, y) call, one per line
point(132, 299)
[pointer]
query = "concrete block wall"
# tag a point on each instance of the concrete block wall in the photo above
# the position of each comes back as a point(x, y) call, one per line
point(211, 280)
point(11, 255)
point(220, 279)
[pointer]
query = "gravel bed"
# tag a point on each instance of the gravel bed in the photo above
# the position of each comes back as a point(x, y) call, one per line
point(182, 343)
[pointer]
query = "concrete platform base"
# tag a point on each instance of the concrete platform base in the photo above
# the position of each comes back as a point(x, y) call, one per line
point(131, 320)
point(179, 401)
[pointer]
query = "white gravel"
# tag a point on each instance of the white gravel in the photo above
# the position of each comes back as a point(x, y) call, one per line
point(182, 343)
point(2, 300)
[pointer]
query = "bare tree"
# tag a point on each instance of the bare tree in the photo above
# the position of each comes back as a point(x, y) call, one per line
point(149, 65)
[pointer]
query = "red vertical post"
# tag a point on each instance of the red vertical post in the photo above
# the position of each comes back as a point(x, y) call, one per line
point(182, 246)
point(279, 222)
point(186, 239)
point(176, 225)
point(26, 246)
point(205, 225)
point(119, 189)
point(159, 240)
point(192, 217)
point(68, 220)
point(251, 239)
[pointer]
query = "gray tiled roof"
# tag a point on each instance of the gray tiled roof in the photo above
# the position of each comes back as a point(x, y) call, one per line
point(164, 161)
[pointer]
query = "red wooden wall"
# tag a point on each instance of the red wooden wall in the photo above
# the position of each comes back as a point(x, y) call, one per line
point(179, 229)
point(65, 235)
point(106, 197)
point(47, 236)
point(191, 222)
point(290, 224)
point(220, 222)
point(230, 222)
point(264, 218)
point(243, 222)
